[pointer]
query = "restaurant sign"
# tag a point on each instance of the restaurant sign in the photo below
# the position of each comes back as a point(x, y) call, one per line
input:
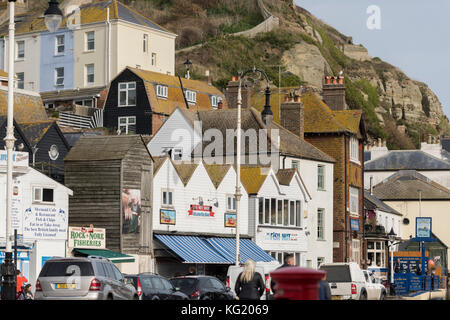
point(201, 211)
point(87, 238)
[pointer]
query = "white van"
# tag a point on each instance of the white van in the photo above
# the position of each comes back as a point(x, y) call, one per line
point(346, 281)
point(263, 268)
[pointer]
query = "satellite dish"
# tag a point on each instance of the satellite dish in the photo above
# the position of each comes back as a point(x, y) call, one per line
point(53, 152)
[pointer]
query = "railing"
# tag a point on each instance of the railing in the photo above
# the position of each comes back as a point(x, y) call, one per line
point(69, 119)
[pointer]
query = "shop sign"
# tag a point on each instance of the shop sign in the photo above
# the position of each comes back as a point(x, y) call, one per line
point(167, 216)
point(201, 211)
point(20, 159)
point(45, 222)
point(423, 227)
point(230, 220)
point(276, 236)
point(87, 238)
point(354, 225)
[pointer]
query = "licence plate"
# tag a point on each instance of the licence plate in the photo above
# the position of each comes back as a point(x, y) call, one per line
point(65, 286)
point(336, 297)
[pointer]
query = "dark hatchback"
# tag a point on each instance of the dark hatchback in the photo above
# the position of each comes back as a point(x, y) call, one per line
point(202, 288)
point(155, 287)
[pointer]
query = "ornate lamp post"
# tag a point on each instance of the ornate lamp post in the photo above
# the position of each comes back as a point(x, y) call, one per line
point(53, 18)
point(188, 65)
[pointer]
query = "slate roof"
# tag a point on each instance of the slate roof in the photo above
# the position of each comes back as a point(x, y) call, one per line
point(72, 137)
point(28, 107)
point(93, 148)
point(446, 144)
point(404, 185)
point(371, 202)
point(175, 95)
point(89, 13)
point(406, 160)
point(290, 144)
point(71, 94)
point(35, 131)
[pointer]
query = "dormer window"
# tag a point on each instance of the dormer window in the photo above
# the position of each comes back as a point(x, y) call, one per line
point(191, 96)
point(215, 101)
point(161, 91)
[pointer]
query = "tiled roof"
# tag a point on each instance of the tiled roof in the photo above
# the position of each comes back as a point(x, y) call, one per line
point(285, 176)
point(371, 202)
point(35, 131)
point(93, 148)
point(28, 107)
point(174, 92)
point(70, 94)
point(252, 178)
point(404, 185)
point(185, 170)
point(319, 118)
point(406, 160)
point(216, 172)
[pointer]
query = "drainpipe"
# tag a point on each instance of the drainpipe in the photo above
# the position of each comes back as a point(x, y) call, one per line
point(345, 201)
point(108, 45)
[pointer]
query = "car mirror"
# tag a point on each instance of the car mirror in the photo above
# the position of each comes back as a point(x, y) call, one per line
point(228, 289)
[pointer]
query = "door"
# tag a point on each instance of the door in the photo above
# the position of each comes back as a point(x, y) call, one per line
point(160, 290)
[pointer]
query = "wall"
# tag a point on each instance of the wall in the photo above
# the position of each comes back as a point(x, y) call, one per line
point(50, 61)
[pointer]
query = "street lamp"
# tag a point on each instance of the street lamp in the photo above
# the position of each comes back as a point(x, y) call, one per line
point(53, 18)
point(392, 236)
point(188, 65)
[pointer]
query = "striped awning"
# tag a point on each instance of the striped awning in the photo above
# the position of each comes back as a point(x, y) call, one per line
point(192, 249)
point(247, 249)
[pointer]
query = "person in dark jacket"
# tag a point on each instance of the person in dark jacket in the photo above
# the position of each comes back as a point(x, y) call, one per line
point(289, 261)
point(324, 289)
point(249, 284)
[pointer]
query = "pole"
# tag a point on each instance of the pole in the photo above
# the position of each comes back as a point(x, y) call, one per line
point(15, 248)
point(238, 169)
point(391, 251)
point(8, 270)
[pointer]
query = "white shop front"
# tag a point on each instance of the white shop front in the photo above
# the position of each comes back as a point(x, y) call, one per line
point(39, 214)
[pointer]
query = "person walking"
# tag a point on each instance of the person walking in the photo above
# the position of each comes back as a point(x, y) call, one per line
point(324, 289)
point(20, 281)
point(289, 261)
point(249, 284)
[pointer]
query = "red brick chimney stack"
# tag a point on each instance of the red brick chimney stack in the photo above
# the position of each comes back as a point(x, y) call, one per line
point(334, 93)
point(231, 93)
point(293, 114)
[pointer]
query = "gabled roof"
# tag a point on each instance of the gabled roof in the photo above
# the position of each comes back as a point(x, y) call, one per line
point(216, 172)
point(406, 160)
point(285, 176)
point(372, 203)
point(89, 13)
point(159, 161)
point(34, 131)
point(175, 94)
point(404, 185)
point(253, 177)
point(28, 106)
point(93, 148)
point(290, 144)
point(185, 170)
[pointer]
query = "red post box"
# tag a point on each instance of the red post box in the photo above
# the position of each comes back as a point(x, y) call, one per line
point(295, 283)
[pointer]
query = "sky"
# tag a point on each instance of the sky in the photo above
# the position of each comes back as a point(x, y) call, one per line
point(413, 35)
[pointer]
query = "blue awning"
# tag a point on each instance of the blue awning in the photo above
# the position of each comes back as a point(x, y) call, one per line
point(247, 249)
point(192, 249)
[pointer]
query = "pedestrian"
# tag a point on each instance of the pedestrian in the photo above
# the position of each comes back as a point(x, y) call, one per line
point(249, 284)
point(192, 271)
point(324, 289)
point(20, 280)
point(289, 261)
point(27, 294)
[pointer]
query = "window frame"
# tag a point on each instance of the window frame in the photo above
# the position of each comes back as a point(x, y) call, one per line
point(126, 90)
point(162, 91)
point(58, 45)
point(127, 124)
point(41, 200)
point(20, 81)
point(356, 251)
point(231, 208)
point(354, 150)
point(169, 193)
point(153, 59)
point(321, 177)
point(352, 197)
point(59, 77)
point(18, 58)
point(88, 41)
point(271, 213)
point(191, 96)
point(320, 224)
point(86, 67)
point(145, 42)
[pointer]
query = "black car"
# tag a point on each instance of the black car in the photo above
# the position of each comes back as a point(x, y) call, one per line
point(155, 287)
point(202, 288)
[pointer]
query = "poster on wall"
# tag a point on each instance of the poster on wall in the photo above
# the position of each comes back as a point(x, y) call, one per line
point(16, 209)
point(45, 222)
point(200, 211)
point(230, 220)
point(167, 216)
point(131, 210)
point(423, 227)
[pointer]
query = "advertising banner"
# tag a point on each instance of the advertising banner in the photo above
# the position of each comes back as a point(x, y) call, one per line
point(230, 220)
point(131, 210)
point(45, 222)
point(201, 211)
point(167, 216)
point(87, 238)
point(423, 227)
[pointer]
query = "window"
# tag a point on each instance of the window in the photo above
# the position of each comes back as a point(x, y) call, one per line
point(177, 154)
point(231, 203)
point(127, 124)
point(90, 73)
point(292, 213)
point(20, 49)
point(90, 41)
point(321, 177)
point(59, 76)
point(286, 212)
point(298, 219)
point(87, 103)
point(295, 164)
point(266, 211)
point(20, 80)
point(215, 101)
point(167, 197)
point(354, 201)
point(191, 96)
point(261, 210)
point(127, 94)
point(356, 251)
point(376, 253)
point(153, 59)
point(59, 45)
point(50, 105)
point(279, 212)
point(320, 260)
point(161, 91)
point(320, 224)
point(145, 43)
point(118, 275)
point(42, 195)
point(278, 255)
point(354, 149)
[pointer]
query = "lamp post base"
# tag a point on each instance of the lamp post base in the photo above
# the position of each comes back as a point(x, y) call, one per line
point(9, 278)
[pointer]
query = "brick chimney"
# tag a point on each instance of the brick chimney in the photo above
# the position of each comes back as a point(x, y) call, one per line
point(293, 115)
point(231, 93)
point(334, 93)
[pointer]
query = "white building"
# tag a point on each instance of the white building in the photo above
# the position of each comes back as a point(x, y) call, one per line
point(39, 214)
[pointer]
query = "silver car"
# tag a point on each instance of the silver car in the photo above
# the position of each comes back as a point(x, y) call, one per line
point(91, 278)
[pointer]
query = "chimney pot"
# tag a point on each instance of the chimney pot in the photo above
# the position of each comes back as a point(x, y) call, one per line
point(327, 80)
point(286, 98)
point(334, 80)
point(341, 80)
point(298, 99)
point(233, 78)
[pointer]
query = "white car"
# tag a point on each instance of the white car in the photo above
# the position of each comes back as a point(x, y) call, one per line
point(346, 281)
point(375, 290)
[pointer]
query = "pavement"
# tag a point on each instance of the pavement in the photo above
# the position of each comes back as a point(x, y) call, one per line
point(440, 294)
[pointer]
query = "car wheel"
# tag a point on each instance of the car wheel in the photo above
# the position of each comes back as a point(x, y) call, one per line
point(155, 298)
point(363, 296)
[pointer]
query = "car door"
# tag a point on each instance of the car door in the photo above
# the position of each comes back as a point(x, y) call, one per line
point(370, 287)
point(169, 289)
point(115, 284)
point(219, 289)
point(125, 291)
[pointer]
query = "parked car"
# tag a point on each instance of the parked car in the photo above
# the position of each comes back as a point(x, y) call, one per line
point(202, 288)
point(375, 289)
point(346, 281)
point(91, 278)
point(263, 268)
point(155, 287)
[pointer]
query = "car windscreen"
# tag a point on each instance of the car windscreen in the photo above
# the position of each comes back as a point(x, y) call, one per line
point(186, 285)
point(337, 273)
point(67, 268)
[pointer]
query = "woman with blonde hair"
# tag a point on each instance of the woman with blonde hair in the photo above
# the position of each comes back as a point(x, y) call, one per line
point(249, 284)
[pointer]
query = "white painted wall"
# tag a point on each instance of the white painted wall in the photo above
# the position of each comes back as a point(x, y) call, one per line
point(389, 220)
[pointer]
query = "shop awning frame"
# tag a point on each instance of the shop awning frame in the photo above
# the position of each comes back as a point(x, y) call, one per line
point(115, 257)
